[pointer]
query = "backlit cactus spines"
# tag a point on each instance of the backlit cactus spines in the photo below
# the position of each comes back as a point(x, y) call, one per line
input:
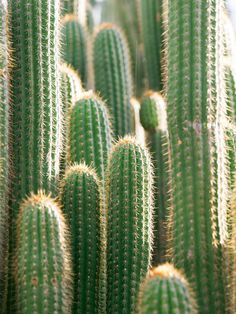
point(80, 196)
point(196, 116)
point(89, 133)
point(154, 121)
point(4, 158)
point(129, 237)
point(74, 46)
point(151, 24)
point(165, 291)
point(112, 75)
point(43, 274)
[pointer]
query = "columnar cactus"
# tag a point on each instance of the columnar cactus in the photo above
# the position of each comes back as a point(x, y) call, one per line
point(89, 133)
point(153, 119)
point(165, 290)
point(35, 99)
point(151, 22)
point(196, 118)
point(71, 90)
point(4, 158)
point(129, 236)
point(43, 269)
point(80, 198)
point(74, 46)
point(112, 75)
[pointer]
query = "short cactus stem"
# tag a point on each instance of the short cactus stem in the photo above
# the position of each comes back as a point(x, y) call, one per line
point(196, 115)
point(43, 270)
point(166, 291)
point(154, 120)
point(81, 200)
point(4, 157)
point(129, 236)
point(151, 22)
point(74, 46)
point(90, 134)
point(113, 75)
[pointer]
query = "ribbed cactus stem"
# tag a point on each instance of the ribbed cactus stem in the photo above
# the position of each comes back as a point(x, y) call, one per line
point(112, 75)
point(4, 158)
point(71, 90)
point(196, 121)
point(154, 120)
point(151, 24)
point(89, 133)
point(81, 201)
point(74, 46)
point(35, 99)
point(165, 291)
point(43, 270)
point(129, 206)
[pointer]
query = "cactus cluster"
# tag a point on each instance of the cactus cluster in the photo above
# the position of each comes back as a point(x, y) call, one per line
point(117, 154)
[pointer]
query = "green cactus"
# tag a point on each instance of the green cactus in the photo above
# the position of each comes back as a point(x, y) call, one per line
point(71, 90)
point(74, 45)
point(76, 7)
point(89, 18)
point(35, 101)
point(89, 133)
point(129, 236)
point(196, 120)
point(80, 198)
point(43, 268)
point(112, 75)
point(4, 158)
point(151, 24)
point(153, 119)
point(165, 291)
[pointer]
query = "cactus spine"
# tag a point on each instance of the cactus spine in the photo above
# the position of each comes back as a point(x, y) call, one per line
point(35, 100)
point(153, 119)
point(43, 270)
point(81, 206)
point(195, 121)
point(113, 76)
point(74, 47)
point(90, 133)
point(166, 291)
point(129, 206)
point(4, 158)
point(151, 21)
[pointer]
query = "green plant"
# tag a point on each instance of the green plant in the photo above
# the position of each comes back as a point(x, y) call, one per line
point(71, 90)
point(196, 120)
point(152, 29)
point(89, 133)
point(113, 76)
point(74, 45)
point(4, 157)
point(129, 236)
point(43, 268)
point(81, 199)
point(165, 290)
point(153, 119)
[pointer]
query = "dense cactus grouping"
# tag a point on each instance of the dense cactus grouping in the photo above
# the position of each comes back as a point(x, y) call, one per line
point(117, 154)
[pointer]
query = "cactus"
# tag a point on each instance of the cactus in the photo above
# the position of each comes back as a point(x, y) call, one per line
point(89, 133)
point(76, 7)
point(153, 119)
point(43, 270)
point(112, 75)
point(151, 22)
point(35, 100)
point(89, 18)
point(74, 46)
point(71, 90)
point(129, 236)
point(80, 198)
point(4, 158)
point(196, 118)
point(165, 290)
